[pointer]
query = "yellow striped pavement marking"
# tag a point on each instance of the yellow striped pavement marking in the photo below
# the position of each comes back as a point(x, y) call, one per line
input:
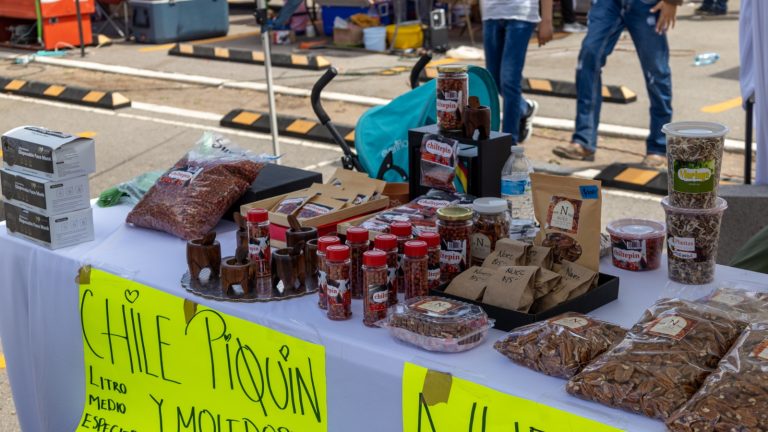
point(257, 56)
point(2, 362)
point(86, 134)
point(186, 49)
point(15, 85)
point(540, 84)
point(54, 90)
point(636, 176)
point(94, 96)
point(164, 47)
point(723, 106)
point(301, 126)
point(221, 52)
point(300, 60)
point(350, 136)
point(246, 118)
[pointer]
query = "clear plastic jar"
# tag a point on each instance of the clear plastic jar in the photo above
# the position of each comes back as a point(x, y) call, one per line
point(387, 243)
point(433, 257)
point(452, 96)
point(258, 241)
point(490, 226)
point(375, 291)
point(339, 271)
point(404, 232)
point(454, 224)
point(322, 269)
point(357, 240)
point(415, 269)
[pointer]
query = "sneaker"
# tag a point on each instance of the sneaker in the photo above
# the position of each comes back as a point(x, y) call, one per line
point(575, 27)
point(655, 161)
point(702, 11)
point(574, 152)
point(526, 121)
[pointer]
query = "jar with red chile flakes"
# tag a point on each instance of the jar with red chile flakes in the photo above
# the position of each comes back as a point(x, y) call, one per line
point(375, 291)
point(258, 241)
point(404, 232)
point(339, 271)
point(415, 269)
point(322, 270)
point(454, 224)
point(433, 257)
point(636, 244)
point(357, 240)
point(452, 96)
point(387, 243)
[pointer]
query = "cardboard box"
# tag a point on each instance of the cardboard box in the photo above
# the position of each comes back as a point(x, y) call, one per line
point(53, 232)
point(352, 36)
point(47, 154)
point(45, 196)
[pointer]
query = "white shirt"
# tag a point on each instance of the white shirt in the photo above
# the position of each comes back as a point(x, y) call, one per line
point(521, 10)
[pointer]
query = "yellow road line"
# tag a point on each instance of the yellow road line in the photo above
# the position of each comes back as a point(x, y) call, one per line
point(722, 106)
point(2, 362)
point(87, 134)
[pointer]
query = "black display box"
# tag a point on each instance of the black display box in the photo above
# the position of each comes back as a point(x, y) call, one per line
point(607, 290)
point(274, 180)
point(483, 159)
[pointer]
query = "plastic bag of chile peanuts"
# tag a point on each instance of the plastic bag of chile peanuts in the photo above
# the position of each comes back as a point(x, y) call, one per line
point(189, 199)
point(439, 156)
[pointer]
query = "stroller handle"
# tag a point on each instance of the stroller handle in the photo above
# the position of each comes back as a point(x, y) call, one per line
point(317, 106)
point(417, 68)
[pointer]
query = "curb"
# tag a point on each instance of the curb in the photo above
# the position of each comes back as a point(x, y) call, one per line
point(297, 127)
point(63, 93)
point(611, 93)
point(296, 61)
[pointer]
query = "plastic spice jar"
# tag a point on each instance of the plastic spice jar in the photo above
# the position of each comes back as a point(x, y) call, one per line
point(415, 269)
point(339, 295)
point(322, 269)
point(258, 241)
point(357, 240)
point(452, 96)
point(491, 225)
point(375, 291)
point(636, 244)
point(387, 243)
point(454, 224)
point(404, 232)
point(433, 257)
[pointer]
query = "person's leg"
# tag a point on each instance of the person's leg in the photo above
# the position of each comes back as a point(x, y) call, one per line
point(653, 51)
point(566, 7)
point(605, 26)
point(493, 42)
point(517, 35)
point(720, 6)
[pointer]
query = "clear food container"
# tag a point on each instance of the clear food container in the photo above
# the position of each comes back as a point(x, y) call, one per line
point(438, 324)
point(636, 244)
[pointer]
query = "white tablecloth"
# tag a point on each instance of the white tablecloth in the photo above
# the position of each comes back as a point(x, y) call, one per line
point(40, 330)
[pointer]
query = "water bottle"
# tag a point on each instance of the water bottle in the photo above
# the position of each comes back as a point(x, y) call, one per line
point(516, 185)
point(706, 59)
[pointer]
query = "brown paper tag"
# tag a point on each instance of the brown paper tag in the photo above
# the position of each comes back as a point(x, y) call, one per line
point(471, 283)
point(508, 253)
point(511, 288)
point(540, 256)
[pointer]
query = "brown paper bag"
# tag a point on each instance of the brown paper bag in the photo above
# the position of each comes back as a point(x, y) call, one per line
point(512, 288)
point(568, 210)
point(508, 253)
point(575, 281)
point(540, 256)
point(471, 283)
point(546, 281)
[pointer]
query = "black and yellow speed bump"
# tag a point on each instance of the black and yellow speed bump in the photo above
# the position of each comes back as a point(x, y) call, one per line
point(296, 127)
point(635, 177)
point(64, 93)
point(547, 87)
point(286, 60)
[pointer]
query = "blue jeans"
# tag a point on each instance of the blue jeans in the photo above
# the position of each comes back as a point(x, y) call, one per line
point(715, 5)
point(506, 42)
point(607, 19)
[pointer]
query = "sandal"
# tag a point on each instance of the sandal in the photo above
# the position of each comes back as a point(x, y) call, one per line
point(574, 153)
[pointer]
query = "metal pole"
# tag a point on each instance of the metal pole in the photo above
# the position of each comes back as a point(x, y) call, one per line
point(80, 28)
point(261, 18)
point(748, 142)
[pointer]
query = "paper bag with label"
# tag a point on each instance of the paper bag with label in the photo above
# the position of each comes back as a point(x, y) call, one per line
point(471, 283)
point(540, 256)
point(568, 210)
point(508, 253)
point(546, 281)
point(575, 281)
point(512, 288)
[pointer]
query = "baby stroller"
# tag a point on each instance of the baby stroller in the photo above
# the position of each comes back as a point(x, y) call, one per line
point(381, 134)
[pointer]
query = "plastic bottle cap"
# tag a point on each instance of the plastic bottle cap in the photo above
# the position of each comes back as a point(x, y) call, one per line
point(324, 242)
point(385, 242)
point(401, 229)
point(257, 215)
point(337, 253)
point(636, 229)
point(489, 205)
point(415, 248)
point(516, 149)
point(375, 258)
point(430, 238)
point(357, 235)
point(455, 213)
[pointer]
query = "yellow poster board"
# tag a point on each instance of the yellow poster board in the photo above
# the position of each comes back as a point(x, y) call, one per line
point(437, 402)
point(157, 363)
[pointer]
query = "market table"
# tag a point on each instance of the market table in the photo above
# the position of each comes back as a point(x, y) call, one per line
point(41, 334)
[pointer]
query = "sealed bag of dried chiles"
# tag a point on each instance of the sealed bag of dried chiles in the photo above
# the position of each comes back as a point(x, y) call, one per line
point(735, 396)
point(560, 346)
point(661, 362)
point(191, 197)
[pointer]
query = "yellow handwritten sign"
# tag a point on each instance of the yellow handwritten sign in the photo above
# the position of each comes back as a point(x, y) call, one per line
point(157, 363)
point(437, 402)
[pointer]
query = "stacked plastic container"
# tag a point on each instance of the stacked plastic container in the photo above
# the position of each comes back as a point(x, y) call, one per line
point(693, 209)
point(45, 186)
